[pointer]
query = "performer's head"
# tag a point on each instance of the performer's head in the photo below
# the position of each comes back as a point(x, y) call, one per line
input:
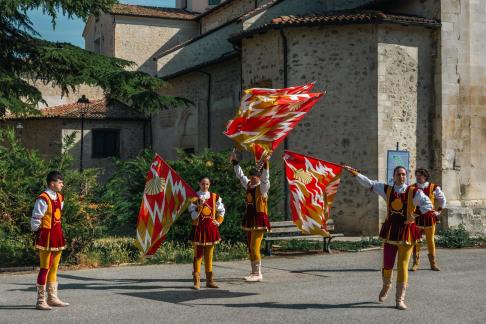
point(55, 181)
point(422, 175)
point(204, 184)
point(400, 175)
point(254, 176)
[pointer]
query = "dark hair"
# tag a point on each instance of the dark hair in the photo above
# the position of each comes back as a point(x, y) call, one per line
point(204, 177)
point(254, 172)
point(398, 168)
point(423, 172)
point(53, 176)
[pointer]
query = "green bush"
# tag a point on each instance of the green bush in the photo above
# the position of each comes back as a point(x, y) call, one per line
point(123, 193)
point(22, 178)
point(458, 238)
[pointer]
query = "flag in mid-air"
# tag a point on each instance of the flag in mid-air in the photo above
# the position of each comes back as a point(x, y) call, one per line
point(166, 196)
point(313, 184)
point(266, 116)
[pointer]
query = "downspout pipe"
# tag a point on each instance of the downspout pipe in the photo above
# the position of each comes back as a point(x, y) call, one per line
point(286, 143)
point(208, 105)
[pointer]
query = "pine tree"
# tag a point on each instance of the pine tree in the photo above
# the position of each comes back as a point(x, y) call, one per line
point(25, 58)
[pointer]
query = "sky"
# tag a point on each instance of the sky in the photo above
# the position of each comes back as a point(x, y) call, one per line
point(70, 30)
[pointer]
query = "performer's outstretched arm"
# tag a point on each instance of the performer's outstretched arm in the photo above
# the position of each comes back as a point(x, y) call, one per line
point(373, 185)
point(265, 179)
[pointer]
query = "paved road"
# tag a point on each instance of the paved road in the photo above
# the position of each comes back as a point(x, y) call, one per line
point(338, 288)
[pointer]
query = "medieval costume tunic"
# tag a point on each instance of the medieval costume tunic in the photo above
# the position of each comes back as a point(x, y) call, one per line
point(255, 220)
point(256, 214)
point(426, 222)
point(435, 194)
point(399, 231)
point(46, 217)
point(46, 222)
point(204, 230)
point(206, 218)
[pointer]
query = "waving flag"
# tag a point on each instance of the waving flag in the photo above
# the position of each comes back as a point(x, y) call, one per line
point(313, 184)
point(266, 116)
point(165, 198)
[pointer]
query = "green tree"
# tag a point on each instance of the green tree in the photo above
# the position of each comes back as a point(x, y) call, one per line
point(25, 58)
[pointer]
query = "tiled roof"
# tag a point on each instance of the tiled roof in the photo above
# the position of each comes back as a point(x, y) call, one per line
point(96, 109)
point(352, 17)
point(339, 18)
point(147, 11)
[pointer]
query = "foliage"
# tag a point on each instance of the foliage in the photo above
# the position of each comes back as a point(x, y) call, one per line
point(25, 58)
point(113, 251)
point(456, 238)
point(22, 178)
point(124, 192)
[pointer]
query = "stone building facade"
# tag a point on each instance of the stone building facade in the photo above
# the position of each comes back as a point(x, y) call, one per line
point(109, 130)
point(410, 71)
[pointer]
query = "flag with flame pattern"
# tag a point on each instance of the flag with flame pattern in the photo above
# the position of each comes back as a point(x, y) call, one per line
point(166, 196)
point(266, 116)
point(313, 184)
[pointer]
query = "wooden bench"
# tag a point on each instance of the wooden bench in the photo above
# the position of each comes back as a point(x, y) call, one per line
point(287, 231)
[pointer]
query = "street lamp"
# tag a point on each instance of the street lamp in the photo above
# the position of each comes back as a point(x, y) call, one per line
point(18, 130)
point(83, 105)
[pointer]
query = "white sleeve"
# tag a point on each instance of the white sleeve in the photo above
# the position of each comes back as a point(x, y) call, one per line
point(376, 186)
point(265, 182)
point(40, 208)
point(193, 210)
point(62, 204)
point(220, 211)
point(422, 201)
point(241, 176)
point(439, 195)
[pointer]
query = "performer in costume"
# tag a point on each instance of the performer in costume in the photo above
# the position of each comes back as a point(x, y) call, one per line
point(207, 214)
point(46, 222)
point(426, 222)
point(399, 231)
point(255, 220)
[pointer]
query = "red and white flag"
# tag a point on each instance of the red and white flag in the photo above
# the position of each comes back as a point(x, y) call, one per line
point(313, 184)
point(166, 196)
point(266, 116)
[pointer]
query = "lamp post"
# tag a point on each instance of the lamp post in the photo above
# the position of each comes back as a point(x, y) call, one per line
point(18, 130)
point(84, 103)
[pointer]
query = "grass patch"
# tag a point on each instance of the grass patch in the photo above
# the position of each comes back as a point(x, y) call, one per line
point(121, 250)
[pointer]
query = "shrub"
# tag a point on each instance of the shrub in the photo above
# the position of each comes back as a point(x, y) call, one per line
point(123, 193)
point(457, 238)
point(22, 178)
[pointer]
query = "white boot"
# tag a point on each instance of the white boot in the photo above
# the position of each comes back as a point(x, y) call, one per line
point(257, 274)
point(52, 298)
point(41, 298)
point(253, 271)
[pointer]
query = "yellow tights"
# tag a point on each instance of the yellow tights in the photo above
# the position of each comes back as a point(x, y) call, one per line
point(404, 253)
point(255, 241)
point(49, 262)
point(207, 251)
point(430, 238)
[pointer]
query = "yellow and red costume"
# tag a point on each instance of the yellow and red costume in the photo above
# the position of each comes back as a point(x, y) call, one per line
point(427, 222)
point(206, 216)
point(255, 220)
point(46, 222)
point(399, 231)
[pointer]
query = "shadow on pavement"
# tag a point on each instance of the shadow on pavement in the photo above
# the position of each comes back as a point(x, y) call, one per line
point(273, 305)
point(17, 306)
point(181, 296)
